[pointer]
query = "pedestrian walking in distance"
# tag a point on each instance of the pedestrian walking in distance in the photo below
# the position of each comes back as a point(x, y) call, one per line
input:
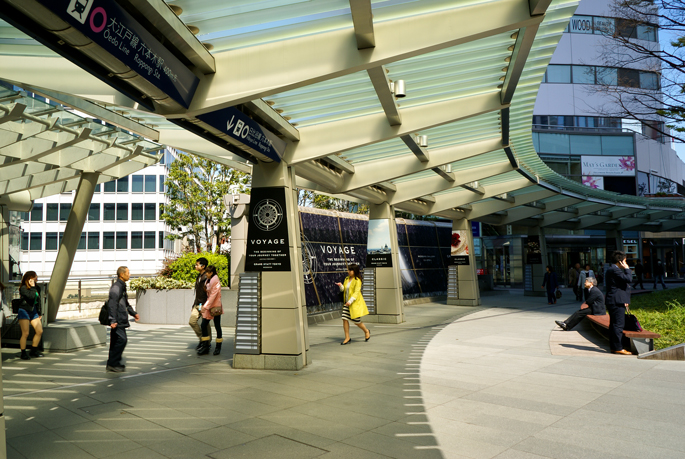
point(355, 306)
point(211, 311)
point(551, 284)
point(639, 272)
point(119, 310)
point(30, 313)
point(200, 299)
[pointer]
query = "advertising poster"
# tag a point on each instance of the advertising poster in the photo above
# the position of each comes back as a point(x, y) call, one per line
point(596, 183)
point(533, 252)
point(459, 253)
point(378, 247)
point(267, 233)
point(615, 166)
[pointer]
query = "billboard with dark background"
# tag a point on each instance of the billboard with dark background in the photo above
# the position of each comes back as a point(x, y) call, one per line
point(333, 240)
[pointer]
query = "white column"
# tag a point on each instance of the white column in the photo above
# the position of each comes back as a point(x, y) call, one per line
point(462, 286)
point(389, 298)
point(239, 212)
point(69, 245)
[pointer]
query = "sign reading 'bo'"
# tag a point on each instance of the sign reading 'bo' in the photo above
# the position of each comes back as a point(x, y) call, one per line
point(248, 132)
point(119, 34)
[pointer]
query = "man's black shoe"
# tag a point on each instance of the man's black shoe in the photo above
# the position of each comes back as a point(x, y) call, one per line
point(35, 353)
point(561, 324)
point(116, 369)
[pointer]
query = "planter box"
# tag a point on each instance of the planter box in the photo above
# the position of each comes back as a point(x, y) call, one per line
point(172, 307)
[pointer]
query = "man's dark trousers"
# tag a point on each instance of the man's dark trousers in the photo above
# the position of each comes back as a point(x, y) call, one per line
point(576, 317)
point(117, 344)
point(617, 321)
point(638, 280)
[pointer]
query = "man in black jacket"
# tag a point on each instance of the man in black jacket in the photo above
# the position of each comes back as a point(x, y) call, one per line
point(200, 299)
point(617, 284)
point(594, 305)
point(639, 272)
point(119, 310)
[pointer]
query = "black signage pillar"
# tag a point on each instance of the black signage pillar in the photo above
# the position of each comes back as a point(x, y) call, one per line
point(535, 262)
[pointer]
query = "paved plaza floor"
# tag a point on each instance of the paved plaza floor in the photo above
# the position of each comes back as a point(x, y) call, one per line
point(452, 382)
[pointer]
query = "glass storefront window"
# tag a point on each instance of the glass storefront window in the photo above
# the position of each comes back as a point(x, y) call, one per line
point(559, 74)
point(586, 145)
point(617, 145)
point(554, 143)
point(583, 74)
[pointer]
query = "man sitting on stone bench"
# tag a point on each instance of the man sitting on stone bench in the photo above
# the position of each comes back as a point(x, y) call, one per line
point(594, 304)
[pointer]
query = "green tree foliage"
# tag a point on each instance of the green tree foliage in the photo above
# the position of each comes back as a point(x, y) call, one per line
point(183, 268)
point(196, 188)
point(307, 198)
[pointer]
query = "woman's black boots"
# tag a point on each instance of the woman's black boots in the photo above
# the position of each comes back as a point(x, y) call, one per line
point(24, 355)
point(204, 348)
point(35, 352)
point(217, 348)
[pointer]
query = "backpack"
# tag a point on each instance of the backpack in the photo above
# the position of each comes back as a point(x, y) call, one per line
point(104, 315)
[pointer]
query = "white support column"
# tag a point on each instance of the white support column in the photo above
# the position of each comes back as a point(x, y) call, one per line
point(4, 277)
point(239, 210)
point(284, 338)
point(534, 274)
point(462, 286)
point(389, 298)
point(72, 236)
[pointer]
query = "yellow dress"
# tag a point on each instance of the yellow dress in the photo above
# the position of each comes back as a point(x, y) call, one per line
point(358, 307)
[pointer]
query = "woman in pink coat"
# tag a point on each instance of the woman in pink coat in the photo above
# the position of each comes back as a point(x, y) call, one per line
point(211, 310)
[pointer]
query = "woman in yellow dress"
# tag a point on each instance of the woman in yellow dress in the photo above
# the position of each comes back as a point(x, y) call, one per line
point(355, 306)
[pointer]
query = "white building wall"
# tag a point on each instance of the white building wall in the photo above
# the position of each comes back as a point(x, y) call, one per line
point(652, 157)
point(101, 261)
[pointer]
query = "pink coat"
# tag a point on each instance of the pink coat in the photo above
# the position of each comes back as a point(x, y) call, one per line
point(213, 297)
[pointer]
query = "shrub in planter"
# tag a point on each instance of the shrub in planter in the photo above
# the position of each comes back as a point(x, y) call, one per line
point(158, 283)
point(183, 268)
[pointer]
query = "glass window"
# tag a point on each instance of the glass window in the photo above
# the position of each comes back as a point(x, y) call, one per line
point(149, 242)
point(560, 122)
point(626, 28)
point(161, 239)
point(50, 241)
point(646, 32)
point(108, 240)
point(560, 167)
point(109, 212)
point(583, 74)
point(24, 241)
point(629, 78)
point(161, 184)
point(93, 241)
point(110, 187)
point(137, 184)
point(604, 26)
point(122, 240)
point(606, 123)
point(150, 211)
point(37, 213)
point(94, 212)
point(554, 143)
point(607, 76)
point(150, 183)
point(559, 74)
point(24, 216)
point(122, 185)
point(617, 145)
point(631, 125)
point(536, 144)
point(136, 239)
point(122, 211)
point(60, 237)
point(136, 211)
point(161, 211)
point(97, 188)
point(580, 24)
point(649, 80)
point(586, 145)
point(64, 210)
point(82, 242)
point(36, 241)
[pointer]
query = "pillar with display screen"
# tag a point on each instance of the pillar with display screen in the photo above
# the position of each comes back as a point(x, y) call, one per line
point(535, 262)
point(462, 281)
point(271, 322)
point(383, 266)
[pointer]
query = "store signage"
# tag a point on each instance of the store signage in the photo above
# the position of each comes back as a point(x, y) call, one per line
point(459, 251)
point(630, 241)
point(268, 247)
point(379, 244)
point(119, 34)
point(533, 252)
point(242, 128)
point(580, 24)
point(608, 165)
point(475, 229)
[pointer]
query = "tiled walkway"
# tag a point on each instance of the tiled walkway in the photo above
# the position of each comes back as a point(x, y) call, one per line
point(480, 387)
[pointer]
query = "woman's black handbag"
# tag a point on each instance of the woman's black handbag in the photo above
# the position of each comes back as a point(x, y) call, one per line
point(17, 303)
point(558, 294)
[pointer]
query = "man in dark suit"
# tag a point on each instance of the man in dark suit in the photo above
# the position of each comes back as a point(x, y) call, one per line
point(594, 304)
point(639, 272)
point(617, 283)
